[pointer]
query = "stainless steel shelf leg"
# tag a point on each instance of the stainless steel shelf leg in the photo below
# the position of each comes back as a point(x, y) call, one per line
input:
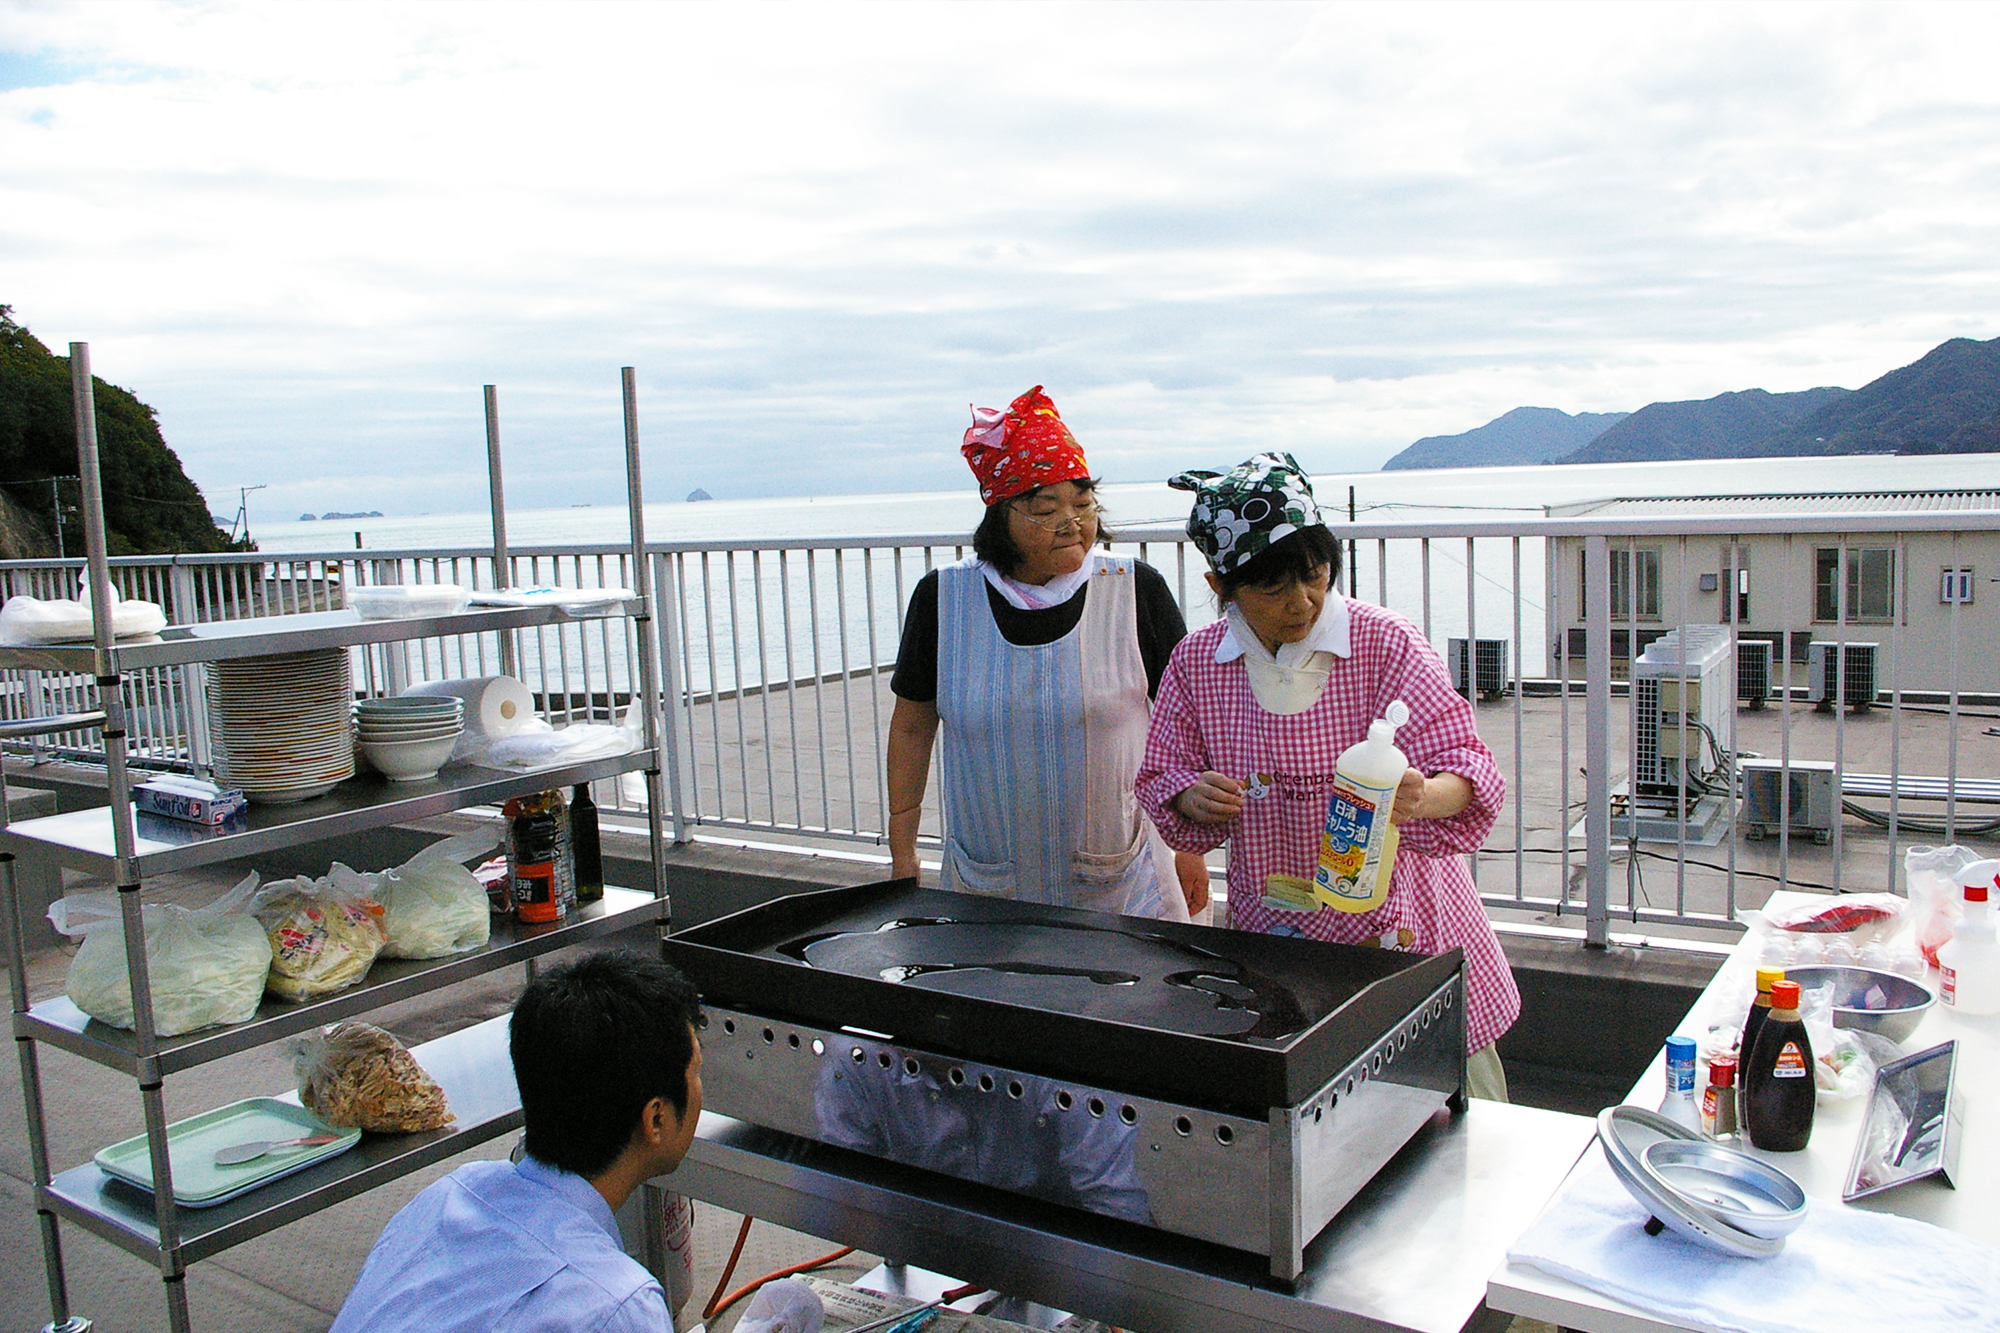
point(60, 1318)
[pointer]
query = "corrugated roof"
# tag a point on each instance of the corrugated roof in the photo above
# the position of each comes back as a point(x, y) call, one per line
point(1832, 502)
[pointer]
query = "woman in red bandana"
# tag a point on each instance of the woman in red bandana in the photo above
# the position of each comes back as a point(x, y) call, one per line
point(1038, 656)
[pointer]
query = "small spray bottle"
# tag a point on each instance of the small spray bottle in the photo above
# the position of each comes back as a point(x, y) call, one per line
point(1357, 853)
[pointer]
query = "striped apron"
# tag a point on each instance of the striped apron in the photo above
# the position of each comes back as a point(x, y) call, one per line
point(1041, 748)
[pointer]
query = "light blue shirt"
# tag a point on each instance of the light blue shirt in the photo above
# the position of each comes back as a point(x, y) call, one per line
point(508, 1248)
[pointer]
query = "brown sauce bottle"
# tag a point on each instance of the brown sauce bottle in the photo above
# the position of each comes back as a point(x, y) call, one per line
point(1779, 1092)
point(1760, 1009)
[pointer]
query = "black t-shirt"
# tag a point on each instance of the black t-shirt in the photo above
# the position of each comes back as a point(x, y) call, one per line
point(1160, 629)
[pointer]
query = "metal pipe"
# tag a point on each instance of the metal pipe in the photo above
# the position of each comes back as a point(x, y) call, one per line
point(1597, 743)
point(498, 501)
point(647, 690)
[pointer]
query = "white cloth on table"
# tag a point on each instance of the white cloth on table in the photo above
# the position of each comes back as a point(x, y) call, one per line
point(1844, 1268)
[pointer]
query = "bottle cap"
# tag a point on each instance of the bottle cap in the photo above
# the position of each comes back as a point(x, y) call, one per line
point(1767, 975)
point(1784, 995)
point(1981, 875)
point(1722, 1071)
point(1680, 1048)
point(1975, 893)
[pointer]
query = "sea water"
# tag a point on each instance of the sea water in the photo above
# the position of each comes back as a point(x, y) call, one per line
point(845, 613)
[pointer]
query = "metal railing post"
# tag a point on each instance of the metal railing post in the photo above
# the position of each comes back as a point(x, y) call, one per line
point(1597, 741)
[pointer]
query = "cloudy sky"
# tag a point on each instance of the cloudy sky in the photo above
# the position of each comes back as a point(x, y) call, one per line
point(308, 234)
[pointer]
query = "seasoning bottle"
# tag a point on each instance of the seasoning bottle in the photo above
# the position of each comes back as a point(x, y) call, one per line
point(1760, 1009)
point(1718, 1103)
point(1679, 1105)
point(534, 856)
point(585, 844)
point(1778, 1087)
point(1969, 964)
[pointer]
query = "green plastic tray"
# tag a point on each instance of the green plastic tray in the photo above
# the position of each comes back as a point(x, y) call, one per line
point(192, 1144)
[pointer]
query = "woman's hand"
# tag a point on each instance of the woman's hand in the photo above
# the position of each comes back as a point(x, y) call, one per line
point(1192, 872)
point(1215, 798)
point(1420, 797)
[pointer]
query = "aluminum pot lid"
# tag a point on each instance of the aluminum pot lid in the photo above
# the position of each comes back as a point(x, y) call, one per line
point(1626, 1132)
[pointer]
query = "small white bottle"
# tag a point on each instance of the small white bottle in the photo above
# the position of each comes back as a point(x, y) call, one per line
point(1679, 1105)
point(1970, 963)
point(1357, 852)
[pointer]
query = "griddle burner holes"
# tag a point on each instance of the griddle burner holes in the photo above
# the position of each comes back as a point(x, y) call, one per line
point(1224, 1135)
point(1096, 1105)
point(1129, 1114)
point(957, 1077)
point(1183, 1126)
point(1064, 1101)
point(986, 1082)
point(1015, 1089)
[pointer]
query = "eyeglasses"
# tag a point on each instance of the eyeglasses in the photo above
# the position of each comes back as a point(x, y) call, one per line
point(1063, 520)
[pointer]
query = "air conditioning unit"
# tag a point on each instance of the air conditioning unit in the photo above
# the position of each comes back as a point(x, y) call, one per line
point(1493, 679)
point(1753, 671)
point(1857, 676)
point(1806, 807)
point(1679, 686)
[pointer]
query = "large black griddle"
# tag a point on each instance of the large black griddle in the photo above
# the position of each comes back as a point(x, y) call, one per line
point(1190, 1013)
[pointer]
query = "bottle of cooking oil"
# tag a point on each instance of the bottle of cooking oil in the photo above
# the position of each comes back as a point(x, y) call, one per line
point(1357, 853)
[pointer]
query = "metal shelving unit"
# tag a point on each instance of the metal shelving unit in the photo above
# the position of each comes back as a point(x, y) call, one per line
point(125, 846)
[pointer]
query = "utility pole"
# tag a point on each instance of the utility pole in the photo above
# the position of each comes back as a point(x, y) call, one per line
point(55, 503)
point(242, 512)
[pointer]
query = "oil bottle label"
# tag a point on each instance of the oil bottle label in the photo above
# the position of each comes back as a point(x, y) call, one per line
point(1791, 1062)
point(1948, 990)
point(1357, 852)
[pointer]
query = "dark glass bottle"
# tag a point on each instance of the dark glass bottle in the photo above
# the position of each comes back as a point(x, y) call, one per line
point(586, 845)
point(1760, 1009)
point(1779, 1095)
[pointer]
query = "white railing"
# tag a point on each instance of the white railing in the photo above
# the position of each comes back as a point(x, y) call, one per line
point(776, 657)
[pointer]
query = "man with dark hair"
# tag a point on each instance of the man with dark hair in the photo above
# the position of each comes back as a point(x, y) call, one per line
point(609, 1069)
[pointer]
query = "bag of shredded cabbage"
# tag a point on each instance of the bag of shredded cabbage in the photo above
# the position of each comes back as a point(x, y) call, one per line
point(431, 904)
point(204, 965)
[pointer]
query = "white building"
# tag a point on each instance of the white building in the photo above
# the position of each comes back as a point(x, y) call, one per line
point(1929, 600)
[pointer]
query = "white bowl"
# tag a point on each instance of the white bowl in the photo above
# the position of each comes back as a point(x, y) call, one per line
point(408, 761)
point(408, 732)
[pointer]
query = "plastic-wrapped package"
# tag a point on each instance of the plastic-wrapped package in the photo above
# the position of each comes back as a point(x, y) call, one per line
point(323, 939)
point(205, 965)
point(356, 1075)
point(1861, 917)
point(27, 620)
point(431, 904)
point(1930, 876)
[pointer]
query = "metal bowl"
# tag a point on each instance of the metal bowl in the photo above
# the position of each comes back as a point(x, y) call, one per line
point(1749, 1194)
point(1871, 1000)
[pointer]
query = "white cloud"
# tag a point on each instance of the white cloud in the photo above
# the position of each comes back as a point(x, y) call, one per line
point(308, 233)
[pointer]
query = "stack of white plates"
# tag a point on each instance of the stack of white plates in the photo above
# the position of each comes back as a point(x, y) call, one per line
point(409, 738)
point(281, 727)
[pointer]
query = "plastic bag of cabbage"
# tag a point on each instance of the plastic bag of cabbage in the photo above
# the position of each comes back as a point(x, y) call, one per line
point(205, 965)
point(432, 906)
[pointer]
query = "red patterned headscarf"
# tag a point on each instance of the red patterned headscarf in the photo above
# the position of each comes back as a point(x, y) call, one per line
point(1026, 446)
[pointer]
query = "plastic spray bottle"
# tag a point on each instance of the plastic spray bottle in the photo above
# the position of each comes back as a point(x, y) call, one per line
point(1357, 853)
point(1969, 965)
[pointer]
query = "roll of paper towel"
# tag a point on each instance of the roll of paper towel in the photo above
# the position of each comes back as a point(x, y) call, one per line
point(495, 707)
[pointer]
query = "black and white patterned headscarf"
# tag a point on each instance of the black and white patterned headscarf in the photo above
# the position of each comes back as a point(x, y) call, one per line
point(1238, 515)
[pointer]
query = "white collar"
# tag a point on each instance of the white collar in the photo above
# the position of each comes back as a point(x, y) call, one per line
point(1328, 635)
point(1036, 597)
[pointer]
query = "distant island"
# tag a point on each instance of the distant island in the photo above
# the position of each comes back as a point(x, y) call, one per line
point(335, 513)
point(698, 494)
point(1946, 402)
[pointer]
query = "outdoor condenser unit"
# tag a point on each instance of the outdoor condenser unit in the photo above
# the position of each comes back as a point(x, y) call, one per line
point(1753, 671)
point(1857, 677)
point(1492, 656)
point(1806, 808)
point(1682, 673)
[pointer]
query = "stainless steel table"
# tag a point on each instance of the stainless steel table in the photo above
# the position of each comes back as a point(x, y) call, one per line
point(1972, 1209)
point(1412, 1251)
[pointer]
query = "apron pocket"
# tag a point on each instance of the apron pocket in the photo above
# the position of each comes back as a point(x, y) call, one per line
point(989, 879)
point(1117, 882)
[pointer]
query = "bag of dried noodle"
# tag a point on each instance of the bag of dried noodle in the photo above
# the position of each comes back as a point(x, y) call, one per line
point(355, 1074)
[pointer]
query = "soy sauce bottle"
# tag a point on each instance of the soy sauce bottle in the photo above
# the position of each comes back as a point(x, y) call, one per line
point(1778, 1087)
point(1760, 1009)
point(586, 844)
